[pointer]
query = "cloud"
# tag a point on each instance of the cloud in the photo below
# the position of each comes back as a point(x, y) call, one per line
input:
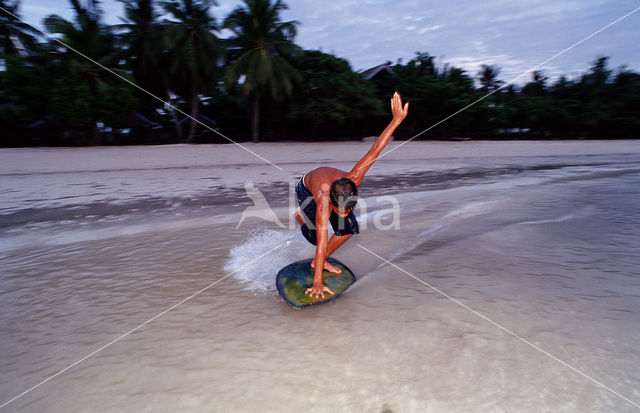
point(468, 33)
point(429, 28)
point(520, 34)
point(35, 11)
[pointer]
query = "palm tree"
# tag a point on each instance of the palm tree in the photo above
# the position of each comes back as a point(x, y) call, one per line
point(14, 34)
point(194, 50)
point(260, 50)
point(537, 86)
point(488, 77)
point(142, 44)
point(90, 37)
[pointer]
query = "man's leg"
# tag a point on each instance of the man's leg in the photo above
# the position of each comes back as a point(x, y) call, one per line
point(334, 243)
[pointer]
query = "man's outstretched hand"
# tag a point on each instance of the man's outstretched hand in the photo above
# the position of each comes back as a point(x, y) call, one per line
point(318, 291)
point(399, 112)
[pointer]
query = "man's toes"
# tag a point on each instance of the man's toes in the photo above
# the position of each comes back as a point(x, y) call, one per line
point(331, 268)
point(328, 267)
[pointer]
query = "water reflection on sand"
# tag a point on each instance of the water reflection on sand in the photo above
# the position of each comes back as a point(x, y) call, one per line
point(545, 246)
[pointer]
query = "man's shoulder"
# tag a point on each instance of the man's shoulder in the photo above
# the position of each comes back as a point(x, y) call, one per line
point(325, 174)
point(321, 195)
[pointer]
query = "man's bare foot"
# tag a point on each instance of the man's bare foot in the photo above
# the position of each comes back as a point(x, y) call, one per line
point(331, 268)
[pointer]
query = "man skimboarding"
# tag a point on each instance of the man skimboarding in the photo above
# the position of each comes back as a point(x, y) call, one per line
point(330, 195)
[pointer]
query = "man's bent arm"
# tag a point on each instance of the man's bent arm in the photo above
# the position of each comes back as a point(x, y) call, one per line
point(399, 113)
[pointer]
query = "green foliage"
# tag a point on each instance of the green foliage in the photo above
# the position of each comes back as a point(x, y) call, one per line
point(82, 96)
point(261, 46)
point(141, 46)
point(19, 100)
point(50, 90)
point(16, 37)
point(434, 93)
point(488, 78)
point(260, 51)
point(193, 50)
point(625, 104)
point(330, 92)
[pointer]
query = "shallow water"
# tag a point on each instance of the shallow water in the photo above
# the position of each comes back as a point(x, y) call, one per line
point(542, 248)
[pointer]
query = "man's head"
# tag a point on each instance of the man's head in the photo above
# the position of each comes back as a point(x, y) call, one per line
point(344, 195)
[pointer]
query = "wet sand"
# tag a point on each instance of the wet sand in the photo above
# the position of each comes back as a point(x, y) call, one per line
point(538, 237)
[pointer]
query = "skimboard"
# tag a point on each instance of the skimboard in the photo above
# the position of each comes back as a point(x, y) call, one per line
point(294, 279)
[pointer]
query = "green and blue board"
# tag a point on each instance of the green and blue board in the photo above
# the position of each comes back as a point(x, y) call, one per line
point(294, 279)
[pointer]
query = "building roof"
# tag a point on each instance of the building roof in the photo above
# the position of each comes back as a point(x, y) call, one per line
point(374, 71)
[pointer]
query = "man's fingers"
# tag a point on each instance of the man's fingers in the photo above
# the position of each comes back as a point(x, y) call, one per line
point(318, 293)
point(396, 104)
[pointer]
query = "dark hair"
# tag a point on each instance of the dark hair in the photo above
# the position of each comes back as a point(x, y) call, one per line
point(344, 193)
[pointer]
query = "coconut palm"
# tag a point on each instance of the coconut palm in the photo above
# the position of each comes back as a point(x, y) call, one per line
point(194, 51)
point(142, 44)
point(259, 50)
point(488, 77)
point(89, 36)
point(15, 36)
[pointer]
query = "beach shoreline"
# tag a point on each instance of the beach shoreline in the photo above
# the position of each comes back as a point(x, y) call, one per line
point(54, 159)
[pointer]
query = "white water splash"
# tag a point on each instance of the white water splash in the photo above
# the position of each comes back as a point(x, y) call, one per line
point(548, 221)
point(260, 275)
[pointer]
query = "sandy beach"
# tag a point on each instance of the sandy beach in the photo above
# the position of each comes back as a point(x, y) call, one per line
point(492, 276)
point(282, 153)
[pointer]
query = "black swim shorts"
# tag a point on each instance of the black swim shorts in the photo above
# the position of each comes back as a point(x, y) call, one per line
point(340, 225)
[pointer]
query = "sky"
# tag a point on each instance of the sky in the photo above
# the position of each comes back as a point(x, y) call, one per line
point(515, 35)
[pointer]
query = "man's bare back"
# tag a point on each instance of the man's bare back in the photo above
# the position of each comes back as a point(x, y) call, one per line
point(325, 185)
point(314, 181)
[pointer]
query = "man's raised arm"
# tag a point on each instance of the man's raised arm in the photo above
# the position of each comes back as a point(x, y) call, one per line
point(399, 113)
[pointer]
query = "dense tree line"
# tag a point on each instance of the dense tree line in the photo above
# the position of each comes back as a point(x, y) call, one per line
point(256, 83)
